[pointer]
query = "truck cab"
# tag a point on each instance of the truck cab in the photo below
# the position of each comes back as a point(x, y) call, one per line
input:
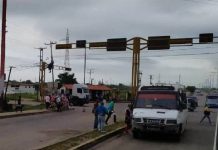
point(80, 95)
point(159, 108)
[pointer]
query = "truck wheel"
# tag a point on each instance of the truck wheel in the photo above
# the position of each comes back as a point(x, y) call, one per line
point(179, 133)
point(135, 134)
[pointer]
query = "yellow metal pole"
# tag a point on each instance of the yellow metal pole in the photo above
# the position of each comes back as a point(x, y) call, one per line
point(135, 67)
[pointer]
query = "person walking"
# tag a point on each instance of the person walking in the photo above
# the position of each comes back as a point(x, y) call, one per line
point(110, 110)
point(95, 113)
point(207, 112)
point(101, 111)
point(128, 119)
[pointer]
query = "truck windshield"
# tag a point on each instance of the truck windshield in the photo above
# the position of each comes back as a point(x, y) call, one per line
point(85, 90)
point(156, 100)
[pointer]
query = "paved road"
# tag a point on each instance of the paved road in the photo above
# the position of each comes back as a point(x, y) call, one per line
point(196, 137)
point(31, 132)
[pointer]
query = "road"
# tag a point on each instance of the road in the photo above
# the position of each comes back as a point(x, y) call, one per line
point(196, 137)
point(32, 132)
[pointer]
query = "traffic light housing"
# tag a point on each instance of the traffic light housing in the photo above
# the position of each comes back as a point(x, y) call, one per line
point(116, 44)
point(158, 42)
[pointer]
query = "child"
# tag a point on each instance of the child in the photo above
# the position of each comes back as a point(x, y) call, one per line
point(128, 119)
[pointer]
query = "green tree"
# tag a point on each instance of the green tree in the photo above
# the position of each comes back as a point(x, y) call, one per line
point(65, 78)
point(191, 89)
point(28, 82)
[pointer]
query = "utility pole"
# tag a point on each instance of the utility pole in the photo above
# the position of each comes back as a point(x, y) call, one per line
point(41, 73)
point(84, 80)
point(67, 55)
point(6, 89)
point(179, 78)
point(52, 63)
point(2, 71)
point(150, 79)
point(90, 75)
point(159, 78)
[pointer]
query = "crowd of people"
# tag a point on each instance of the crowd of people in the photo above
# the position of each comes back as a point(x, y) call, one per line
point(100, 112)
point(59, 102)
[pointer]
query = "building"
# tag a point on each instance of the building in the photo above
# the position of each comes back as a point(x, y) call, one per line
point(95, 91)
point(20, 88)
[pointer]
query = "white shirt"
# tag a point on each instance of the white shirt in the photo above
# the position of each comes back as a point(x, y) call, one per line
point(47, 99)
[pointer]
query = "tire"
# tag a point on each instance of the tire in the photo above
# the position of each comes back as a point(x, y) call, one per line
point(179, 133)
point(135, 134)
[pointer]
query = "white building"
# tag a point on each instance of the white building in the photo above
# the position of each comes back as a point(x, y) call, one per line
point(20, 88)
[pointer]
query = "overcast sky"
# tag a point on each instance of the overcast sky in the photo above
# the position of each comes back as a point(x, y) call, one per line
point(31, 23)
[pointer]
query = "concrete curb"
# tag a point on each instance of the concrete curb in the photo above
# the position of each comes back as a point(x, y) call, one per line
point(23, 114)
point(95, 141)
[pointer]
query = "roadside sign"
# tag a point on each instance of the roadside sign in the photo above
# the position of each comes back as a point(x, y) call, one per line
point(206, 38)
point(81, 44)
point(158, 42)
point(63, 46)
point(116, 44)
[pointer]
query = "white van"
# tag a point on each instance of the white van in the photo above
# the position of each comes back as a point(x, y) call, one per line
point(159, 108)
point(80, 95)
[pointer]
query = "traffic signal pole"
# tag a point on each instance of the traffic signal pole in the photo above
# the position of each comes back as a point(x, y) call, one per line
point(135, 66)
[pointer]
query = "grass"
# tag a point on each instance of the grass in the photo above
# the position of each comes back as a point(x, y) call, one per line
point(23, 95)
point(75, 141)
point(36, 107)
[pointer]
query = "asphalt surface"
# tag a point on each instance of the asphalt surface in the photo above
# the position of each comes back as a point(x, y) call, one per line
point(32, 132)
point(196, 137)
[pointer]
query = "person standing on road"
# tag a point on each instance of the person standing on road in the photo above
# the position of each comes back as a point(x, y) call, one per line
point(101, 111)
point(58, 103)
point(95, 113)
point(128, 119)
point(207, 112)
point(110, 110)
point(47, 101)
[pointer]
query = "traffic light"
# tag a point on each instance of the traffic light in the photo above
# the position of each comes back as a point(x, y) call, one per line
point(81, 44)
point(116, 44)
point(158, 42)
point(206, 38)
point(67, 69)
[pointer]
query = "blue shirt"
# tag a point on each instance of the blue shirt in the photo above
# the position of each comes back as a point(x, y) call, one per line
point(101, 110)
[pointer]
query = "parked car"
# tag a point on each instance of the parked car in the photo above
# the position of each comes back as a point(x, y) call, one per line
point(212, 101)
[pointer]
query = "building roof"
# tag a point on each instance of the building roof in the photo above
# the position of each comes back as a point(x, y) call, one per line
point(99, 88)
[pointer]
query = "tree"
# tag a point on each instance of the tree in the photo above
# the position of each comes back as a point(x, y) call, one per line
point(191, 89)
point(65, 78)
point(28, 82)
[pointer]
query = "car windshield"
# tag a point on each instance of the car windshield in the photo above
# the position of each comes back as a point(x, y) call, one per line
point(156, 100)
point(212, 99)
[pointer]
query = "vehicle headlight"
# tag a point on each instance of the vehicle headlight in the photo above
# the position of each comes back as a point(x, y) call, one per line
point(137, 120)
point(171, 121)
